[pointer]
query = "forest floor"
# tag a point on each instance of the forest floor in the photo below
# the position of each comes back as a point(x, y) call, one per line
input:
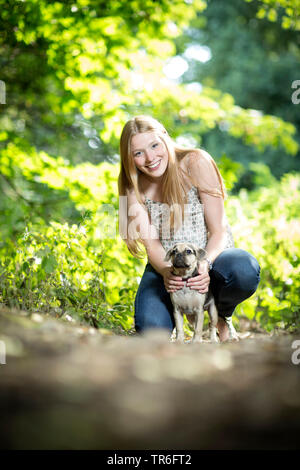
point(69, 386)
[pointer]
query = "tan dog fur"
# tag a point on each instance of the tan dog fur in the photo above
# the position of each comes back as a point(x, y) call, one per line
point(186, 259)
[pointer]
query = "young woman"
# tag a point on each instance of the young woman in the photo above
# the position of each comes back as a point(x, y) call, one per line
point(177, 195)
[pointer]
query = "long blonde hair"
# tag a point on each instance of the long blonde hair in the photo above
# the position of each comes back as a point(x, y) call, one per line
point(173, 189)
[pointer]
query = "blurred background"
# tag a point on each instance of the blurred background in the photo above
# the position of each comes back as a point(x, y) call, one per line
point(222, 76)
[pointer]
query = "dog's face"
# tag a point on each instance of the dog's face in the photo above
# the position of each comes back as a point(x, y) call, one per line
point(185, 256)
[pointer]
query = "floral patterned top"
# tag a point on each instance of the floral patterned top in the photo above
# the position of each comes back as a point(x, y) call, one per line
point(193, 229)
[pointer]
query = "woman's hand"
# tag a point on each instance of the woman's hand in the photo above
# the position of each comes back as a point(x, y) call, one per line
point(200, 282)
point(171, 282)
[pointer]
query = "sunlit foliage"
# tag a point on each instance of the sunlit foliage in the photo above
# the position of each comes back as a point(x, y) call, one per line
point(267, 224)
point(74, 72)
point(287, 10)
point(85, 270)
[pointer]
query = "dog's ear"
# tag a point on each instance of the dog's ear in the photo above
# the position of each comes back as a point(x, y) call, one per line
point(193, 247)
point(168, 254)
point(201, 253)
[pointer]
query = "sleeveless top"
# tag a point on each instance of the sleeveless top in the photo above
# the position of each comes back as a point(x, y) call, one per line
point(193, 229)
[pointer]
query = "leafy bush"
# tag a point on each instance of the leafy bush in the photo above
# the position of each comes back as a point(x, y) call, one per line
point(79, 269)
point(83, 269)
point(266, 223)
point(56, 269)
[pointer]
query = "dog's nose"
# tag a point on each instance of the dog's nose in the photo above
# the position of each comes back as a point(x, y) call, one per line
point(179, 261)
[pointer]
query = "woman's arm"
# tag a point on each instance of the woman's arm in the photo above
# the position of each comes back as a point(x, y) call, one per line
point(214, 214)
point(139, 226)
point(206, 177)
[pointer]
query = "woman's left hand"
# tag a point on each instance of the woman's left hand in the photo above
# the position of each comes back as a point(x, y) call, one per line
point(200, 282)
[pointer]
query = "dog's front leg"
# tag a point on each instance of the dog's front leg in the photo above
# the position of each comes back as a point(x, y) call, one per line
point(213, 314)
point(233, 336)
point(199, 317)
point(178, 316)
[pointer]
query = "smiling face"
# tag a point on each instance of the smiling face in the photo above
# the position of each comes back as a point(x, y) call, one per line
point(150, 154)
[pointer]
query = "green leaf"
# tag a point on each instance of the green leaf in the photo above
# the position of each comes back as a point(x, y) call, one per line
point(49, 263)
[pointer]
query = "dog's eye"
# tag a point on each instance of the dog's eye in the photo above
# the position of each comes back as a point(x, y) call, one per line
point(188, 252)
point(173, 252)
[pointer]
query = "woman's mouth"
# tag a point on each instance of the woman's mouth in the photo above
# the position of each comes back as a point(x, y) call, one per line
point(153, 166)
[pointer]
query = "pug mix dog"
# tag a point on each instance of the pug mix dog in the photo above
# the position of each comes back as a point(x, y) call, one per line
point(186, 259)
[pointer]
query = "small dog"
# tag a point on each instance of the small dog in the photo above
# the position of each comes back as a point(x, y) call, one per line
point(185, 259)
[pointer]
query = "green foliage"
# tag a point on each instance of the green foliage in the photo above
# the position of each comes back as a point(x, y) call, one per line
point(288, 10)
point(266, 223)
point(56, 270)
point(69, 67)
point(74, 73)
point(84, 270)
point(256, 62)
point(230, 171)
point(81, 269)
point(62, 270)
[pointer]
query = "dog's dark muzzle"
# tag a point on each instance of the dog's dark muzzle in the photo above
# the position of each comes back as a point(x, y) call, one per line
point(179, 262)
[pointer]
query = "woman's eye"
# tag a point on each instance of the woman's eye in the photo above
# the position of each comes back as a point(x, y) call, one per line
point(154, 145)
point(137, 154)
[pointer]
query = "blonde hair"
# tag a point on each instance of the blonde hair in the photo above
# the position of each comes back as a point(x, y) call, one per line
point(172, 185)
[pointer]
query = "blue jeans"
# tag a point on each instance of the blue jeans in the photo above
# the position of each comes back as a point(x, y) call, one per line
point(234, 277)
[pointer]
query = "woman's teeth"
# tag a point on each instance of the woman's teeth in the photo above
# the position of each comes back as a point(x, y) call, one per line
point(154, 165)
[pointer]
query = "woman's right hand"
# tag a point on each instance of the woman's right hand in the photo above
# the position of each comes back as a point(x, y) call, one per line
point(171, 282)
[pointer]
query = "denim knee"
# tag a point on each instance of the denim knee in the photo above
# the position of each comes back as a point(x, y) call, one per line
point(239, 269)
point(153, 306)
point(234, 277)
point(245, 273)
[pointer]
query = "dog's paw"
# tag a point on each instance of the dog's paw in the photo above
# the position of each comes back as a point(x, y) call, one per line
point(179, 339)
point(197, 339)
point(213, 334)
point(233, 338)
point(214, 339)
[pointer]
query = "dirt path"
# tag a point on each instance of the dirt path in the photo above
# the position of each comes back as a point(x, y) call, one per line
point(69, 387)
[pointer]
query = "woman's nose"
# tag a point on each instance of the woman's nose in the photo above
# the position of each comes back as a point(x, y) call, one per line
point(150, 155)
